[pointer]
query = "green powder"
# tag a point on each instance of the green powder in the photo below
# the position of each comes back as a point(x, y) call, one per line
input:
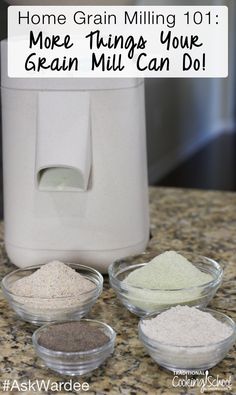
point(168, 271)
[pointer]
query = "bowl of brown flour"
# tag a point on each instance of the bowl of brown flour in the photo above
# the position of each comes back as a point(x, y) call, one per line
point(52, 292)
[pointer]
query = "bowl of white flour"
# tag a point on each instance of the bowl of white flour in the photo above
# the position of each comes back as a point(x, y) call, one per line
point(187, 338)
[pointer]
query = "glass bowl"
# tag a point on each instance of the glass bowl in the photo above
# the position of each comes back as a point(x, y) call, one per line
point(144, 301)
point(40, 311)
point(76, 363)
point(188, 358)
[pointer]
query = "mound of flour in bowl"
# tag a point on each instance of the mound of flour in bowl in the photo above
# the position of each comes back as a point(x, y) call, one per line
point(169, 270)
point(52, 280)
point(186, 326)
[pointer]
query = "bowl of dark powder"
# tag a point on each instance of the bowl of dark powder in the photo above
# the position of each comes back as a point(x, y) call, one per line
point(52, 292)
point(74, 347)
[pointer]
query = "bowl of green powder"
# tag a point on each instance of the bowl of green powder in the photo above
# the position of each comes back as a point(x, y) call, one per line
point(147, 283)
point(52, 292)
point(187, 338)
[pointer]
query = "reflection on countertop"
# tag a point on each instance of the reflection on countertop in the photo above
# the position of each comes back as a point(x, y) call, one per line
point(193, 220)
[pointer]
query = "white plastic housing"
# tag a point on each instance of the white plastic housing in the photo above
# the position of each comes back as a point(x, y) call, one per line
point(106, 216)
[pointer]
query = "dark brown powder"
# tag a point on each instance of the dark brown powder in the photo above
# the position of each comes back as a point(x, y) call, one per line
point(72, 337)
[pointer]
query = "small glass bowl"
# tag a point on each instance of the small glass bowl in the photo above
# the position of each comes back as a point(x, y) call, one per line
point(145, 301)
point(76, 363)
point(189, 358)
point(40, 311)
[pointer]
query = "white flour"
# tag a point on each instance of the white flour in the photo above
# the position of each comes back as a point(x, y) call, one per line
point(186, 326)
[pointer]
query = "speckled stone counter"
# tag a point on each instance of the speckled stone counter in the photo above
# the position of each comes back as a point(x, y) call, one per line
point(198, 221)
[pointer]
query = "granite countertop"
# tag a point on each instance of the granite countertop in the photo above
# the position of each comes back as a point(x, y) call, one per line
point(197, 221)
